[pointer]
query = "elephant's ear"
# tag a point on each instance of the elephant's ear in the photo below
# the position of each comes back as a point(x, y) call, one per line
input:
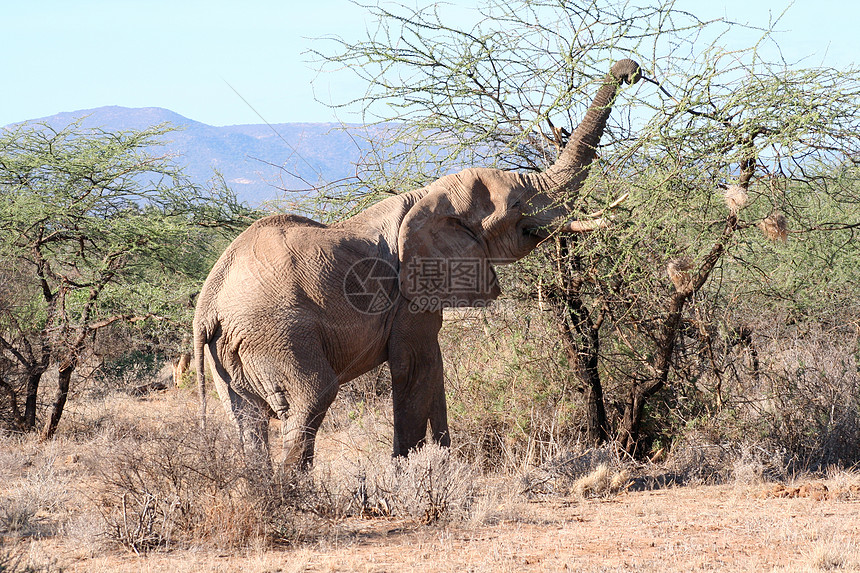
point(443, 259)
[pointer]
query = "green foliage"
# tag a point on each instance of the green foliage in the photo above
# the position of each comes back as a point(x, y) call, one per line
point(138, 362)
point(99, 230)
point(502, 87)
point(99, 210)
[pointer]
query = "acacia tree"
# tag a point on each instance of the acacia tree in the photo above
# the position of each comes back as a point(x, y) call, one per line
point(96, 229)
point(730, 145)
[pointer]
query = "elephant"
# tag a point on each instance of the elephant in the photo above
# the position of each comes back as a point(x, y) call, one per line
point(294, 308)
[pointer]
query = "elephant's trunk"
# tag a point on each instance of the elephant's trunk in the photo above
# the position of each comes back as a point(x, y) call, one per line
point(572, 166)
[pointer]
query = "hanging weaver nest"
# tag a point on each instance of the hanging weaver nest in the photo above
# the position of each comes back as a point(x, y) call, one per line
point(679, 273)
point(775, 227)
point(736, 197)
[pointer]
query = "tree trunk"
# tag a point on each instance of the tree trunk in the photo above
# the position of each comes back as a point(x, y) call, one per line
point(17, 420)
point(597, 427)
point(582, 334)
point(634, 409)
point(584, 349)
point(631, 421)
point(583, 346)
point(63, 380)
point(34, 376)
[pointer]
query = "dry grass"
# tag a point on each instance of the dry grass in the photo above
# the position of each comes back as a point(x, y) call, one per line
point(34, 503)
point(145, 477)
point(130, 486)
point(834, 555)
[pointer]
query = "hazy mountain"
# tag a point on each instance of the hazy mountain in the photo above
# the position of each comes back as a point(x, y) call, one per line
point(258, 161)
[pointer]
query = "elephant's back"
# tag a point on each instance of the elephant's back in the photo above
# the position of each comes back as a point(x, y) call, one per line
point(293, 270)
point(261, 241)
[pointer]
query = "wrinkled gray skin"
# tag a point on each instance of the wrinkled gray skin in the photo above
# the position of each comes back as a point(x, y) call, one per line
point(283, 322)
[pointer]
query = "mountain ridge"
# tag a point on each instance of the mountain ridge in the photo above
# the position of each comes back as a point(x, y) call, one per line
point(260, 162)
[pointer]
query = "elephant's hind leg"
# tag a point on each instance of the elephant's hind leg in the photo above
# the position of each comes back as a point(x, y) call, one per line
point(253, 423)
point(299, 388)
point(317, 391)
point(248, 416)
point(300, 430)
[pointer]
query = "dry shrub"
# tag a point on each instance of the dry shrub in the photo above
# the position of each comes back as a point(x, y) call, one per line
point(511, 401)
point(15, 560)
point(159, 491)
point(180, 486)
point(752, 464)
point(695, 459)
point(361, 417)
point(18, 517)
point(13, 461)
point(163, 483)
point(429, 485)
point(809, 392)
point(35, 502)
point(175, 486)
point(768, 399)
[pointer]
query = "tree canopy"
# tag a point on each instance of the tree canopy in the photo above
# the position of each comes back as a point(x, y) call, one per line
point(96, 229)
point(742, 170)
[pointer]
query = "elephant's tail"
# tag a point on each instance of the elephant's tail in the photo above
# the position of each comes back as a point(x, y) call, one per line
point(200, 342)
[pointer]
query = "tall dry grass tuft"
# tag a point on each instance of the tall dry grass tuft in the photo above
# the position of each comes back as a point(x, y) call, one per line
point(603, 482)
point(16, 560)
point(34, 503)
point(834, 555)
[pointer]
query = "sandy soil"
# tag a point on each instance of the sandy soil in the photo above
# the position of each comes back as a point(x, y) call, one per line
point(706, 528)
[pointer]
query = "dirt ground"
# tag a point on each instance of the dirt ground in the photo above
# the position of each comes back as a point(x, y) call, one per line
point(810, 525)
point(706, 528)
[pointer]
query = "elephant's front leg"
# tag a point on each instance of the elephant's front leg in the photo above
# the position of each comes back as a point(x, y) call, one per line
point(417, 382)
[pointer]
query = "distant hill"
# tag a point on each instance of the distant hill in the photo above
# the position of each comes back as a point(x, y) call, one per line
point(258, 161)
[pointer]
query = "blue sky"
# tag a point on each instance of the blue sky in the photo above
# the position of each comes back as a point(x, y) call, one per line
point(62, 55)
